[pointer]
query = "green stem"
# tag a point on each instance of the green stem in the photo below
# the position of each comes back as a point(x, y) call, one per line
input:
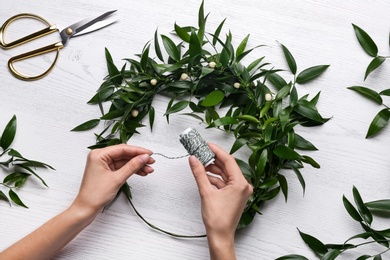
point(159, 229)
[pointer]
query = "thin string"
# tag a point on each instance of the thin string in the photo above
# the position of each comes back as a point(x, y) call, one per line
point(170, 157)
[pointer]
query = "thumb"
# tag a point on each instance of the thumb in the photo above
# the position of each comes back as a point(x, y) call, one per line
point(133, 166)
point(200, 175)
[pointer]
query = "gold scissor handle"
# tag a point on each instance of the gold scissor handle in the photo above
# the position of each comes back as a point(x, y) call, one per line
point(33, 36)
point(53, 47)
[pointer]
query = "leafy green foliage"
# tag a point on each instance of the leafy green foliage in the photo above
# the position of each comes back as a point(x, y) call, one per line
point(363, 214)
point(203, 72)
point(18, 169)
point(382, 118)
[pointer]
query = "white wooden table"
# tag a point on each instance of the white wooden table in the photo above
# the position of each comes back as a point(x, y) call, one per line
point(316, 32)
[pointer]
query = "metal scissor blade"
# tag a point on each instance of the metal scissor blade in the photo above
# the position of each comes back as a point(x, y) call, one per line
point(73, 29)
point(94, 27)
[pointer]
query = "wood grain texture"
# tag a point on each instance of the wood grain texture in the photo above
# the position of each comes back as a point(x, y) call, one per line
point(316, 32)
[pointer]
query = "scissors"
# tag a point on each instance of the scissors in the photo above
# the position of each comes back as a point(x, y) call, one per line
point(79, 28)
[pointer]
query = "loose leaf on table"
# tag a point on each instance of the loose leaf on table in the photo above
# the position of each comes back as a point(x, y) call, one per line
point(8, 134)
point(374, 64)
point(87, 125)
point(368, 93)
point(4, 197)
point(365, 41)
point(310, 73)
point(363, 210)
point(15, 198)
point(385, 92)
point(351, 210)
point(379, 122)
point(316, 245)
point(379, 205)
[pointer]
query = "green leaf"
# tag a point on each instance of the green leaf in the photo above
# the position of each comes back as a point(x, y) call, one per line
point(277, 81)
point(213, 98)
point(363, 257)
point(300, 178)
point(157, 48)
point(303, 144)
point(316, 245)
point(283, 185)
point(217, 32)
point(262, 163)
point(308, 110)
point(290, 60)
point(182, 33)
point(8, 134)
point(171, 48)
point(87, 125)
point(283, 92)
point(351, 210)
point(385, 92)
point(379, 205)
point(310, 73)
point(331, 255)
point(113, 72)
point(285, 152)
point(365, 41)
point(379, 122)
point(270, 182)
point(145, 57)
point(227, 120)
point(245, 220)
point(179, 106)
point(195, 48)
point(4, 197)
point(248, 118)
point(15, 198)
point(363, 210)
point(240, 142)
point(292, 257)
point(310, 161)
point(241, 47)
point(374, 64)
point(368, 93)
point(151, 117)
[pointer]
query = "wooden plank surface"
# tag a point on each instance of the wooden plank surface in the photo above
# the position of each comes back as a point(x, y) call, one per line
point(316, 32)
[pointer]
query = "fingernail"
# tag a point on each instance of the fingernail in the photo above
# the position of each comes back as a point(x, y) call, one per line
point(144, 158)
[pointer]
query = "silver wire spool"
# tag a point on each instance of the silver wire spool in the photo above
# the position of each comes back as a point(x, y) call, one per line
point(197, 146)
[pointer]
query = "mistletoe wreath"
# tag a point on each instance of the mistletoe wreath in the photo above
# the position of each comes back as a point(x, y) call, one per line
point(205, 75)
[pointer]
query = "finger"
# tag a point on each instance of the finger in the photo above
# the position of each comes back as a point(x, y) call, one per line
point(217, 182)
point(226, 162)
point(119, 164)
point(133, 166)
point(216, 170)
point(200, 175)
point(122, 151)
point(145, 170)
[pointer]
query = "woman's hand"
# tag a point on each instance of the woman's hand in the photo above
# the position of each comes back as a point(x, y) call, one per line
point(107, 170)
point(223, 197)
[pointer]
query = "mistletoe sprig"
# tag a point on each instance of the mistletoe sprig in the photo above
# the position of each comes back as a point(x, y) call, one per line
point(206, 78)
point(18, 169)
point(361, 213)
point(369, 46)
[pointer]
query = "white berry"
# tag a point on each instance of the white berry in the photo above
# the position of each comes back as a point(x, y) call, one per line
point(153, 82)
point(134, 113)
point(268, 97)
point(212, 64)
point(236, 85)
